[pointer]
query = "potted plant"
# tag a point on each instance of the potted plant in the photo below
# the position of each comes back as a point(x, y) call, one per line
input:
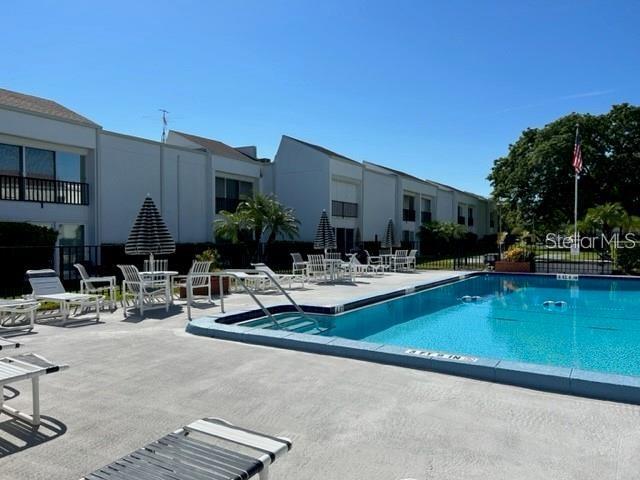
point(516, 259)
point(209, 255)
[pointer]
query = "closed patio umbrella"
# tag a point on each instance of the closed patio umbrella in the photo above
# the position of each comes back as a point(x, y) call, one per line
point(388, 241)
point(149, 234)
point(325, 236)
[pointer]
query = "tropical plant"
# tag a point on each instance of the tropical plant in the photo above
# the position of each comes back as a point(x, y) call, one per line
point(232, 226)
point(607, 218)
point(210, 255)
point(518, 253)
point(281, 221)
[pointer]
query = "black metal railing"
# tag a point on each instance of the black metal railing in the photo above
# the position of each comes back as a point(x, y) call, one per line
point(425, 217)
point(408, 215)
point(43, 190)
point(462, 220)
point(344, 209)
point(228, 204)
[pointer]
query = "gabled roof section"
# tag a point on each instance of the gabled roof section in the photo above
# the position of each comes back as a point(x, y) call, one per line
point(326, 151)
point(41, 106)
point(218, 148)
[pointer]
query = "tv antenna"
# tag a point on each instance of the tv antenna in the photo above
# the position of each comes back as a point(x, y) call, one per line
point(165, 124)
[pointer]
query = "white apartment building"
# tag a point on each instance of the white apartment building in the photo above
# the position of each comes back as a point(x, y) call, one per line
point(60, 169)
point(361, 197)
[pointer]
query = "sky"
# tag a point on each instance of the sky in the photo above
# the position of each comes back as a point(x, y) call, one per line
point(437, 89)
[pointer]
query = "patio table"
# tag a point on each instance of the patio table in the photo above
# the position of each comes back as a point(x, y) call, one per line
point(333, 267)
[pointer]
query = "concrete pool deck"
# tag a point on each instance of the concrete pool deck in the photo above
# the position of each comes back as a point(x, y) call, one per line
point(132, 381)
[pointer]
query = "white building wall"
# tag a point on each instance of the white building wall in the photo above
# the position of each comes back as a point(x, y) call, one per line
point(445, 211)
point(302, 181)
point(175, 178)
point(45, 129)
point(379, 204)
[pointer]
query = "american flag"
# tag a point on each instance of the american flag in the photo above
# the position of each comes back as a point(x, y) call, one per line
point(577, 154)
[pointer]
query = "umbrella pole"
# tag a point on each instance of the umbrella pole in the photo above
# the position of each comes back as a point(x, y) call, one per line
point(151, 265)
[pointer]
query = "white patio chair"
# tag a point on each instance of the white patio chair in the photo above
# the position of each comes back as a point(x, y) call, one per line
point(195, 452)
point(412, 260)
point(97, 285)
point(146, 295)
point(399, 260)
point(157, 265)
point(299, 266)
point(279, 277)
point(47, 286)
point(316, 268)
point(198, 278)
point(26, 367)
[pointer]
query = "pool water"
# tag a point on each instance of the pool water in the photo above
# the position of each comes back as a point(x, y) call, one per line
point(591, 324)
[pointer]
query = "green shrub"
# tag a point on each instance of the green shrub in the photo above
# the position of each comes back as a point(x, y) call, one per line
point(19, 234)
point(629, 259)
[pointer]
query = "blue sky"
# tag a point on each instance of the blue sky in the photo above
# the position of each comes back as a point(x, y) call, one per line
point(438, 89)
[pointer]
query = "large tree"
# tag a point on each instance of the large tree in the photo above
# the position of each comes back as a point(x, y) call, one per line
point(534, 183)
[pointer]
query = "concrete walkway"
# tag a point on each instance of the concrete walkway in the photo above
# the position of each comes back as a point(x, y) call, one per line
point(133, 381)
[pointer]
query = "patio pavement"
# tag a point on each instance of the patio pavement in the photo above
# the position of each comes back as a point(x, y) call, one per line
point(132, 381)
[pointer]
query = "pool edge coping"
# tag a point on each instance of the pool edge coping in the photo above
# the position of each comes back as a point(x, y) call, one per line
point(564, 380)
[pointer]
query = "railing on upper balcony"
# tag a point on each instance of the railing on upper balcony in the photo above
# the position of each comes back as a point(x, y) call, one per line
point(408, 215)
point(344, 209)
point(43, 190)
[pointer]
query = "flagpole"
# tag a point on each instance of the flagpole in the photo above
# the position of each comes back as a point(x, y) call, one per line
point(575, 196)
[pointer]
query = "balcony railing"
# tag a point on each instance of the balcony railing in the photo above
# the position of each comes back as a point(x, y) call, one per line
point(462, 220)
point(43, 190)
point(408, 215)
point(228, 204)
point(344, 209)
point(425, 217)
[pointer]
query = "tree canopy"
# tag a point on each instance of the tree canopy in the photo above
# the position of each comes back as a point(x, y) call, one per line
point(534, 186)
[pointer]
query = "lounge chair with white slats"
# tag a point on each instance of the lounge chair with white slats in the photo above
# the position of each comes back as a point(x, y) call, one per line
point(190, 454)
point(25, 367)
point(47, 286)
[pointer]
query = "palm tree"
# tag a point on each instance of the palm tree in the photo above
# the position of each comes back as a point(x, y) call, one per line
point(232, 225)
point(281, 221)
point(257, 209)
point(606, 218)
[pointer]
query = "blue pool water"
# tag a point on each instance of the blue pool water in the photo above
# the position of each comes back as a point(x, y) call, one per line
point(593, 324)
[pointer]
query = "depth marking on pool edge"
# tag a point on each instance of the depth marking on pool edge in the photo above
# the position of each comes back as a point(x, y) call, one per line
point(425, 353)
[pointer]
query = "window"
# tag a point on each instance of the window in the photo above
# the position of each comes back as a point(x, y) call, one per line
point(70, 167)
point(230, 192)
point(408, 208)
point(39, 163)
point(408, 236)
point(344, 209)
point(344, 239)
point(425, 214)
point(470, 216)
point(9, 159)
point(461, 218)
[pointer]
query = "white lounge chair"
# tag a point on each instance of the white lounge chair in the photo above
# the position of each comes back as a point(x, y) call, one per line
point(97, 285)
point(146, 295)
point(191, 454)
point(47, 286)
point(18, 314)
point(25, 367)
point(279, 277)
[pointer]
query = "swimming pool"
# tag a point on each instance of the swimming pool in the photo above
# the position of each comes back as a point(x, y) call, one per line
point(590, 324)
point(578, 336)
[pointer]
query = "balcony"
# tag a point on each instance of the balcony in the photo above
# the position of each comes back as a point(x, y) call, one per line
point(344, 209)
point(425, 217)
point(43, 190)
point(462, 220)
point(408, 215)
point(227, 204)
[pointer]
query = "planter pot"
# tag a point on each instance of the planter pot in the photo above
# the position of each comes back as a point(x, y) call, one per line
point(215, 288)
point(504, 266)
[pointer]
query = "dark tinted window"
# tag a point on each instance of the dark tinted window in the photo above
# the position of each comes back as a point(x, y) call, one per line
point(9, 159)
